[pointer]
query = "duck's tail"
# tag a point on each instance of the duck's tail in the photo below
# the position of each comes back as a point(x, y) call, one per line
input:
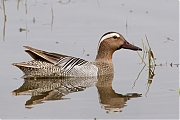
point(24, 64)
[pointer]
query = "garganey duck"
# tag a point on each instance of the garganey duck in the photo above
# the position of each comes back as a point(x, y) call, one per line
point(49, 64)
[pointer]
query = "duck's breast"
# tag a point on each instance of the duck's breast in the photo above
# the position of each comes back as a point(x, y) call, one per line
point(84, 70)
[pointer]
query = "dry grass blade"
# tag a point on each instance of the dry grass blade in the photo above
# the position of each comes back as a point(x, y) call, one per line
point(4, 30)
point(18, 4)
point(126, 22)
point(146, 52)
point(26, 6)
point(143, 49)
point(26, 29)
point(141, 58)
point(147, 42)
point(4, 27)
point(4, 9)
point(126, 25)
point(98, 3)
point(52, 17)
point(151, 57)
point(151, 53)
point(138, 76)
point(148, 86)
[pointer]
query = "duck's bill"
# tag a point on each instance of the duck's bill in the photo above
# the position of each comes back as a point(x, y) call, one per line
point(127, 45)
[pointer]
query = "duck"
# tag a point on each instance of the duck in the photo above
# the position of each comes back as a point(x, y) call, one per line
point(49, 64)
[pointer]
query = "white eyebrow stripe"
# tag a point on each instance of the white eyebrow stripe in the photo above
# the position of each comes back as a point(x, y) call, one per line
point(108, 36)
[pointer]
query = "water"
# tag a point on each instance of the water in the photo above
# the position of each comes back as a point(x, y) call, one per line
point(75, 30)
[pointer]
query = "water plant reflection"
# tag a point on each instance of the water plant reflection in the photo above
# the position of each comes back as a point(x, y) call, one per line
point(43, 89)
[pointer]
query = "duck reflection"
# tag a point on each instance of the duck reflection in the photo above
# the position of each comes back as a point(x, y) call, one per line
point(109, 99)
point(52, 88)
point(42, 89)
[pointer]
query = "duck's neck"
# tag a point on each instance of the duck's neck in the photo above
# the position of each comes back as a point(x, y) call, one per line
point(104, 61)
point(104, 55)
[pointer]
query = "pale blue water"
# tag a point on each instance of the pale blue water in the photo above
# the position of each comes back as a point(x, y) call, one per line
point(76, 30)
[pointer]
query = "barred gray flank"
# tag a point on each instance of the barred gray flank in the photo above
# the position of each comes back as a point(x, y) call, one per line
point(66, 67)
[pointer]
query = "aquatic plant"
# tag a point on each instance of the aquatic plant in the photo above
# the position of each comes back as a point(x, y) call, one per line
point(148, 60)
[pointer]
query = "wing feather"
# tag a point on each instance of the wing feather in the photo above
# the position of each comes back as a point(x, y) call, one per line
point(48, 56)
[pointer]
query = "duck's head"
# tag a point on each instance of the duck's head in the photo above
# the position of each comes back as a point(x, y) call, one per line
point(110, 42)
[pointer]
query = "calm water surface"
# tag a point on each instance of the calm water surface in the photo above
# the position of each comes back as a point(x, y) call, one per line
point(74, 28)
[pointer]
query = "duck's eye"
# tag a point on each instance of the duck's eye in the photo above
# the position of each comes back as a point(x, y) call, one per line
point(115, 37)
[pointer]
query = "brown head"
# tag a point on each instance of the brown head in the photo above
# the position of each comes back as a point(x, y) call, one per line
point(109, 43)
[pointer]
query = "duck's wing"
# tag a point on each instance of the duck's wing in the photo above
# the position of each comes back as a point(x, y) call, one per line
point(66, 62)
point(40, 54)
